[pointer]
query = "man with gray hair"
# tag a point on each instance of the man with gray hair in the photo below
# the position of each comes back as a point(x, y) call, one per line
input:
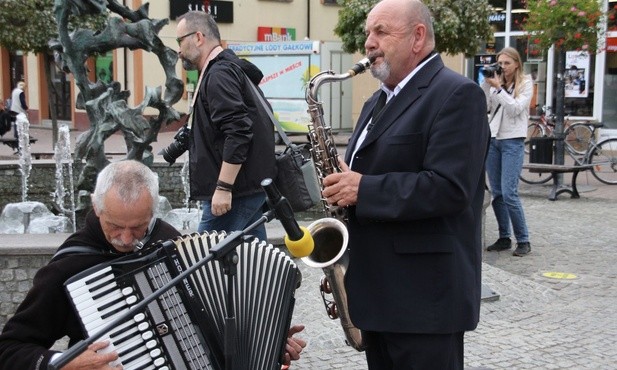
point(124, 201)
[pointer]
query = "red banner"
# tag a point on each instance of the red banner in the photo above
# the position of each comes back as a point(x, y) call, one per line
point(611, 44)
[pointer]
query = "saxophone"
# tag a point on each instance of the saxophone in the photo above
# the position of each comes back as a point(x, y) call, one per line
point(330, 234)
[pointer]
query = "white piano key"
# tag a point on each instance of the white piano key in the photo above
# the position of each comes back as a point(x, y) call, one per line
point(84, 302)
point(90, 290)
point(83, 281)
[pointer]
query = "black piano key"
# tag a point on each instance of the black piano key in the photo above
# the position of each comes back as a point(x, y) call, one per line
point(103, 293)
point(128, 357)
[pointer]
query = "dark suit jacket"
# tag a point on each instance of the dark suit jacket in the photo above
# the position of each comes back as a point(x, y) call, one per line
point(415, 233)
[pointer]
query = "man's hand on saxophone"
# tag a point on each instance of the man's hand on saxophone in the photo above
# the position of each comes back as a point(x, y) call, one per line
point(341, 188)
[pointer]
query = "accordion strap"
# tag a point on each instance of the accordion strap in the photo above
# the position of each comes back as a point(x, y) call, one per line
point(77, 249)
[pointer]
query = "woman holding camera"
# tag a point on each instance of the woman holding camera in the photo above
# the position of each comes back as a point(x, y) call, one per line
point(508, 94)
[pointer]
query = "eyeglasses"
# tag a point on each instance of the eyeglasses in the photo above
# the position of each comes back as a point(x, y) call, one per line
point(179, 39)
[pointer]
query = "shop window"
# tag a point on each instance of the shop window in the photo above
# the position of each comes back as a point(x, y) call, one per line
point(518, 15)
point(497, 19)
point(579, 90)
point(611, 20)
point(609, 104)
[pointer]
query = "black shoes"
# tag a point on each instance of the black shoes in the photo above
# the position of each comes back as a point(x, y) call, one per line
point(501, 244)
point(522, 249)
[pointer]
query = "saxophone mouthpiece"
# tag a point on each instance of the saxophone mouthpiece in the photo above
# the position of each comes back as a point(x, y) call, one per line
point(360, 67)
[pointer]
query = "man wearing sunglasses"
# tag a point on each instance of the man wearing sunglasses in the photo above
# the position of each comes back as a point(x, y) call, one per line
point(231, 139)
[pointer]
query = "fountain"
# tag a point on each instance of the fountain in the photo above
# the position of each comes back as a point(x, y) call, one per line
point(25, 159)
point(185, 218)
point(64, 170)
point(29, 216)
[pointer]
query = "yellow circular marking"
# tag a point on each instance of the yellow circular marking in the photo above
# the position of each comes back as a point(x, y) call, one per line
point(559, 275)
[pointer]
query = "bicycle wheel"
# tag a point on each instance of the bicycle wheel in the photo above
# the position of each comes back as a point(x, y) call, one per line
point(604, 159)
point(577, 137)
point(533, 130)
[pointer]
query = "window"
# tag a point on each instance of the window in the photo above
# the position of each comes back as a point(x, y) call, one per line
point(518, 15)
point(578, 78)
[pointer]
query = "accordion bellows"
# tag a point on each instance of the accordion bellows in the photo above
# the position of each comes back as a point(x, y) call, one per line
point(184, 328)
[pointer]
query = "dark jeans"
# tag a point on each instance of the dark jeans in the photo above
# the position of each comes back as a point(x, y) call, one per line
point(244, 211)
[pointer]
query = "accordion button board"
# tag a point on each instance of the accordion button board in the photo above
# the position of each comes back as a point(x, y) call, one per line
point(184, 328)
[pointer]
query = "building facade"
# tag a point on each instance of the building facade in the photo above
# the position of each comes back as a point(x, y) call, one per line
point(591, 97)
point(240, 21)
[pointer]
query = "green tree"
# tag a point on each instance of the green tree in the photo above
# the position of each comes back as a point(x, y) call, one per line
point(460, 25)
point(28, 26)
point(568, 24)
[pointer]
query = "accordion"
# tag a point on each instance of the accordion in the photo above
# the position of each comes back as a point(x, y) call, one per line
point(184, 328)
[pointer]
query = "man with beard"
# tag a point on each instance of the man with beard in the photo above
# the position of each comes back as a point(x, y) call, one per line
point(124, 200)
point(413, 183)
point(231, 140)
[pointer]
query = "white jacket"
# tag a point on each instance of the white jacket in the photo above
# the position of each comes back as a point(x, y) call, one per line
point(512, 118)
point(16, 101)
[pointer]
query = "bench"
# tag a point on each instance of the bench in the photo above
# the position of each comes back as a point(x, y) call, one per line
point(14, 143)
point(556, 169)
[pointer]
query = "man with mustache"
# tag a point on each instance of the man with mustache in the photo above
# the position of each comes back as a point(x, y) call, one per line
point(124, 200)
point(413, 183)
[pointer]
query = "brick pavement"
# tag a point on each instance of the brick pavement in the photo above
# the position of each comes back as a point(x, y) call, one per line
point(537, 322)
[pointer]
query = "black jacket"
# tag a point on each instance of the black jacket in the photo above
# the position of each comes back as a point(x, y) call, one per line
point(5, 122)
point(46, 314)
point(231, 125)
point(415, 253)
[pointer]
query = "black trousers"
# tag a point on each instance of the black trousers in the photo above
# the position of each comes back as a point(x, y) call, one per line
point(389, 351)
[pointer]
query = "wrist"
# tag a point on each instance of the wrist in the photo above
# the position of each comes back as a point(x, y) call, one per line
point(223, 189)
point(222, 185)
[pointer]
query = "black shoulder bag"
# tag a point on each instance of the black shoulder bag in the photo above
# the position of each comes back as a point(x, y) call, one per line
point(296, 177)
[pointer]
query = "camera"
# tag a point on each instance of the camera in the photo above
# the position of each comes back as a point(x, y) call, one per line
point(178, 146)
point(491, 70)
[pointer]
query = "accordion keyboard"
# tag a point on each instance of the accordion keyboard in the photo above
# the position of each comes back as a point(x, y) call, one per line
point(162, 338)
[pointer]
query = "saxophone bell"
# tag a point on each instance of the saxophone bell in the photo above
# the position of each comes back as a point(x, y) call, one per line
point(330, 237)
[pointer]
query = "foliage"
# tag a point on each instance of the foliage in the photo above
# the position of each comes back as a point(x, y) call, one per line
point(28, 25)
point(569, 24)
point(459, 24)
point(350, 25)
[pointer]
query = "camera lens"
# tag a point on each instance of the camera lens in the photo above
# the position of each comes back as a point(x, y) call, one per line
point(173, 151)
point(491, 69)
point(177, 147)
point(487, 73)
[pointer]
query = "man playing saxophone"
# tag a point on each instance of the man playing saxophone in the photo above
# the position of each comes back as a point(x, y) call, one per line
point(413, 185)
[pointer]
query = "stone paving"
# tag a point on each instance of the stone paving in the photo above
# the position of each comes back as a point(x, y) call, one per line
point(537, 322)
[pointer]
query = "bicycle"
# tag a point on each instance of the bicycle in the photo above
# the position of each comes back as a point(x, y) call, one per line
point(577, 138)
point(601, 155)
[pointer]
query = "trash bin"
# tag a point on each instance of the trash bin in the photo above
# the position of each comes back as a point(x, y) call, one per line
point(541, 150)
